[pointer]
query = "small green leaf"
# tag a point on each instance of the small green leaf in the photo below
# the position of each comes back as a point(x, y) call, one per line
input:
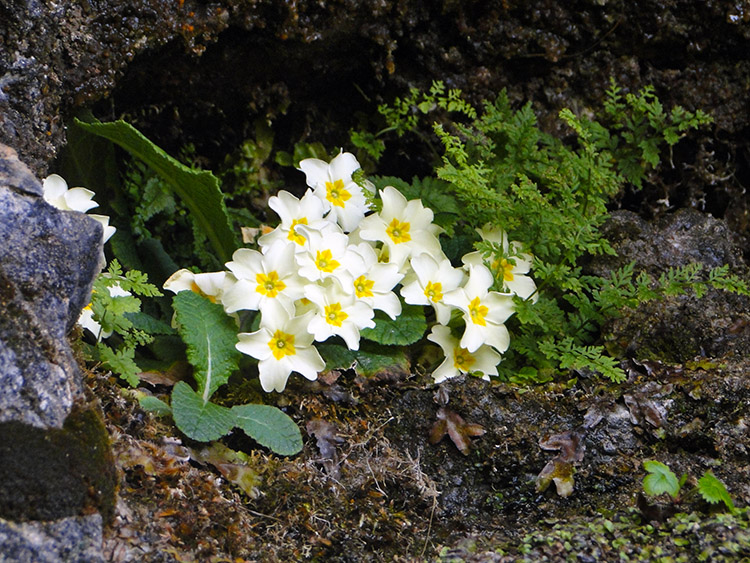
point(714, 491)
point(269, 427)
point(122, 362)
point(210, 335)
point(661, 479)
point(154, 405)
point(198, 189)
point(408, 327)
point(197, 419)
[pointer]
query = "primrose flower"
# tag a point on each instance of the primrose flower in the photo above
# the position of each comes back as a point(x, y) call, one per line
point(373, 282)
point(484, 311)
point(281, 345)
point(262, 278)
point(334, 186)
point(210, 284)
point(433, 280)
point(328, 254)
point(405, 228)
point(56, 193)
point(338, 313)
point(459, 360)
point(307, 211)
point(510, 269)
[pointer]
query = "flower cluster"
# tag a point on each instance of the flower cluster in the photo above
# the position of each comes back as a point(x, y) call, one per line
point(332, 262)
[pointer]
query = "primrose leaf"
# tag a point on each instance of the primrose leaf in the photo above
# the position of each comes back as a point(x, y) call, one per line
point(198, 189)
point(198, 419)
point(210, 336)
point(408, 327)
point(714, 491)
point(661, 479)
point(269, 427)
point(154, 405)
point(370, 361)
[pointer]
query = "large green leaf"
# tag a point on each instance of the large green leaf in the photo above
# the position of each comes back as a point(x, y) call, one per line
point(408, 327)
point(210, 335)
point(197, 419)
point(198, 189)
point(269, 427)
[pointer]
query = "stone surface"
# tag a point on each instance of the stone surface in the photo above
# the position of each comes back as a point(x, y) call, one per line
point(55, 460)
point(76, 539)
point(48, 261)
point(682, 327)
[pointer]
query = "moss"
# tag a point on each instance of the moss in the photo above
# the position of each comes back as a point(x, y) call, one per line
point(54, 473)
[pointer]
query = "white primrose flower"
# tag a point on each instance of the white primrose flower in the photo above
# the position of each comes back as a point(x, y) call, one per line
point(327, 254)
point(334, 186)
point(281, 345)
point(484, 311)
point(56, 193)
point(459, 360)
point(262, 278)
point(405, 228)
point(510, 270)
point(373, 282)
point(209, 284)
point(338, 313)
point(307, 211)
point(432, 279)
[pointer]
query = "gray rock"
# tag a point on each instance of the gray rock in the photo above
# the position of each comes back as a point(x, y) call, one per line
point(76, 539)
point(55, 462)
point(48, 261)
point(677, 328)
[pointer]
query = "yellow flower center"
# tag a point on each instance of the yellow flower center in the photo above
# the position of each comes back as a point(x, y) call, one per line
point(293, 234)
point(336, 194)
point(325, 262)
point(363, 287)
point(477, 311)
point(269, 284)
point(434, 291)
point(398, 231)
point(503, 269)
point(282, 344)
point(462, 360)
point(334, 315)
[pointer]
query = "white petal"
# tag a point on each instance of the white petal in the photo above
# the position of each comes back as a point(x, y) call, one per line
point(255, 344)
point(79, 199)
point(274, 374)
point(307, 362)
point(343, 166)
point(315, 170)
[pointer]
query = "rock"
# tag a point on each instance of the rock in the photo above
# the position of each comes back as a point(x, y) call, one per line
point(679, 328)
point(48, 262)
point(55, 461)
point(76, 539)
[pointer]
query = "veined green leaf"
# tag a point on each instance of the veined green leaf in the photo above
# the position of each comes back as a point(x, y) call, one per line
point(269, 427)
point(714, 491)
point(661, 479)
point(199, 189)
point(408, 327)
point(199, 420)
point(210, 335)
